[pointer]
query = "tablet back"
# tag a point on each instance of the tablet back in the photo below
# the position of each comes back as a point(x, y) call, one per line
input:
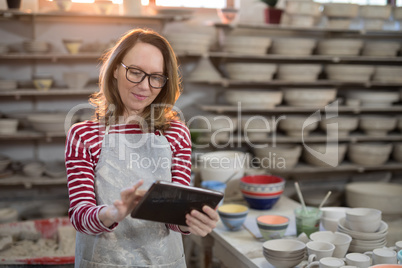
point(170, 202)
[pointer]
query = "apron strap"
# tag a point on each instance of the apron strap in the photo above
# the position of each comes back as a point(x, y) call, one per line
point(107, 129)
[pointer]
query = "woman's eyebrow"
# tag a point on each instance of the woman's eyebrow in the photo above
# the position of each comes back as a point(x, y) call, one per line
point(138, 67)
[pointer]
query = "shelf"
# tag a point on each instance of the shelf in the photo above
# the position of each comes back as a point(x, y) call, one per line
point(345, 166)
point(28, 182)
point(311, 58)
point(32, 135)
point(312, 138)
point(81, 17)
point(54, 57)
point(227, 83)
point(279, 27)
point(18, 93)
point(290, 109)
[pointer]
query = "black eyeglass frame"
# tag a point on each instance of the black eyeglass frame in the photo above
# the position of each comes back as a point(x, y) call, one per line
point(145, 75)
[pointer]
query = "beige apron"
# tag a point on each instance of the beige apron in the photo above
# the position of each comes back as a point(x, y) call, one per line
point(125, 159)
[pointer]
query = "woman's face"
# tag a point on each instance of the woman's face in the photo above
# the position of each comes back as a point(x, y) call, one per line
point(137, 96)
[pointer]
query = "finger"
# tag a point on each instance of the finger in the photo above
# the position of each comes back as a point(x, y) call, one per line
point(195, 229)
point(212, 213)
point(203, 219)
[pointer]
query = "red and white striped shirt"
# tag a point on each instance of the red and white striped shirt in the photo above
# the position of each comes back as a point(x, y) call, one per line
point(83, 148)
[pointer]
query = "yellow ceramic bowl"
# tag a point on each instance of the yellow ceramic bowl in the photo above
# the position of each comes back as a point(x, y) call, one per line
point(233, 216)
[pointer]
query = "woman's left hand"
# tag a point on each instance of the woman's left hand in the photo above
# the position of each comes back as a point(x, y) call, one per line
point(201, 223)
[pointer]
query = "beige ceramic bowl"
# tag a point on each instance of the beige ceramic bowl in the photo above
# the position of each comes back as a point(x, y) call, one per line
point(72, 45)
point(8, 126)
point(299, 72)
point(349, 72)
point(8, 214)
point(51, 122)
point(324, 155)
point(301, 97)
point(42, 82)
point(260, 72)
point(297, 125)
point(369, 98)
point(33, 169)
point(205, 71)
point(342, 10)
point(375, 11)
point(8, 85)
point(338, 23)
point(76, 80)
point(377, 125)
point(278, 157)
point(339, 47)
point(293, 46)
point(345, 124)
point(388, 74)
point(253, 98)
point(381, 48)
point(369, 153)
point(36, 46)
point(242, 44)
point(63, 5)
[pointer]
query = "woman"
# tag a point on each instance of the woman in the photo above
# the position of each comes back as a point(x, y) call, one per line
point(126, 148)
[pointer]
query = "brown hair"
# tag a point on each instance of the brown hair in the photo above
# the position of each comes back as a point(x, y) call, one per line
point(109, 106)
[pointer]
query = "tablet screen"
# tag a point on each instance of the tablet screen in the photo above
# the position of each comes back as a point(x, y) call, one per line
point(170, 202)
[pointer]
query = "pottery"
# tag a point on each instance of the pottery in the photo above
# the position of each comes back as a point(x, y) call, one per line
point(263, 99)
point(258, 72)
point(255, 127)
point(328, 155)
point(388, 74)
point(284, 248)
point(55, 169)
point(76, 80)
point(103, 7)
point(300, 97)
point(33, 169)
point(278, 157)
point(227, 15)
point(50, 122)
point(8, 126)
point(349, 72)
point(375, 11)
point(72, 45)
point(215, 122)
point(378, 195)
point(8, 214)
point(298, 125)
point(369, 98)
point(233, 216)
point(377, 125)
point(345, 125)
point(293, 46)
point(397, 153)
point(204, 71)
point(272, 226)
point(299, 72)
point(366, 220)
point(4, 162)
point(369, 153)
point(374, 24)
point(381, 48)
point(189, 42)
point(339, 47)
point(344, 10)
point(36, 46)
point(303, 8)
point(63, 5)
point(42, 82)
point(338, 23)
point(242, 44)
point(8, 85)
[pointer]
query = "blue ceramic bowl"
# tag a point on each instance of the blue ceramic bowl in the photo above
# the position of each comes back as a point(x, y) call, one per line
point(233, 215)
point(261, 203)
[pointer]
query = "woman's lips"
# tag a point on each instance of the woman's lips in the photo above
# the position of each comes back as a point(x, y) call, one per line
point(139, 97)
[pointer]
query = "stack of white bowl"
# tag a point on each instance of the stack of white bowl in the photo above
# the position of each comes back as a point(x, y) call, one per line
point(366, 228)
point(258, 72)
point(299, 72)
point(257, 99)
point(76, 80)
point(349, 72)
point(369, 153)
point(381, 48)
point(309, 97)
point(331, 216)
point(324, 155)
point(284, 252)
point(255, 127)
point(278, 157)
point(8, 85)
point(36, 46)
point(293, 46)
point(339, 47)
point(302, 13)
point(388, 74)
point(189, 42)
point(377, 125)
point(298, 125)
point(340, 15)
point(375, 16)
point(340, 125)
point(252, 45)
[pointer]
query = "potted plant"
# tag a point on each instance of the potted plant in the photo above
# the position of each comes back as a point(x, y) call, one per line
point(272, 14)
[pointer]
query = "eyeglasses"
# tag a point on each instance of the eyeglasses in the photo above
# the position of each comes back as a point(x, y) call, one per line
point(135, 75)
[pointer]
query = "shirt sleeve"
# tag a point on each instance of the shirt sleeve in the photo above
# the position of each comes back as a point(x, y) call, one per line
point(80, 165)
point(179, 137)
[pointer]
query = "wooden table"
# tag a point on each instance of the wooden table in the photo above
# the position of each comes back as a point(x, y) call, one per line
point(240, 249)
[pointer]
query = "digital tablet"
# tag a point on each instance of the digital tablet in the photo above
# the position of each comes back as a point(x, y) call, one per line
point(170, 202)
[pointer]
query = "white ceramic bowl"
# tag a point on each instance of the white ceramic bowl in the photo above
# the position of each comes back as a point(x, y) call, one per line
point(349, 72)
point(253, 98)
point(375, 11)
point(324, 155)
point(204, 71)
point(390, 74)
point(338, 23)
point(50, 122)
point(339, 47)
point(381, 48)
point(76, 80)
point(260, 72)
point(8, 85)
point(33, 169)
point(377, 125)
point(255, 127)
point(254, 45)
point(42, 82)
point(284, 248)
point(345, 124)
point(293, 46)
point(303, 8)
point(334, 212)
point(301, 97)
point(369, 153)
point(374, 99)
point(329, 224)
point(297, 125)
point(341, 10)
point(8, 126)
point(299, 72)
point(379, 195)
point(72, 45)
point(278, 157)
point(379, 234)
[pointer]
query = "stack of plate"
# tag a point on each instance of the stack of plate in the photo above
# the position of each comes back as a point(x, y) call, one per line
point(364, 241)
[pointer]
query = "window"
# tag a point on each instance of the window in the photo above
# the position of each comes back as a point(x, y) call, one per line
point(189, 3)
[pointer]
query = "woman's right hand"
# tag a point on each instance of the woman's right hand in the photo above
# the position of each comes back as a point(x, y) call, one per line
point(121, 208)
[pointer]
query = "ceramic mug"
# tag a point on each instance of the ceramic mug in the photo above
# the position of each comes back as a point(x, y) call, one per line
point(341, 241)
point(382, 256)
point(358, 259)
point(327, 262)
point(318, 250)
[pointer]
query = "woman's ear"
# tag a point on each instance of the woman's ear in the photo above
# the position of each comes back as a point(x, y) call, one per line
point(115, 72)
